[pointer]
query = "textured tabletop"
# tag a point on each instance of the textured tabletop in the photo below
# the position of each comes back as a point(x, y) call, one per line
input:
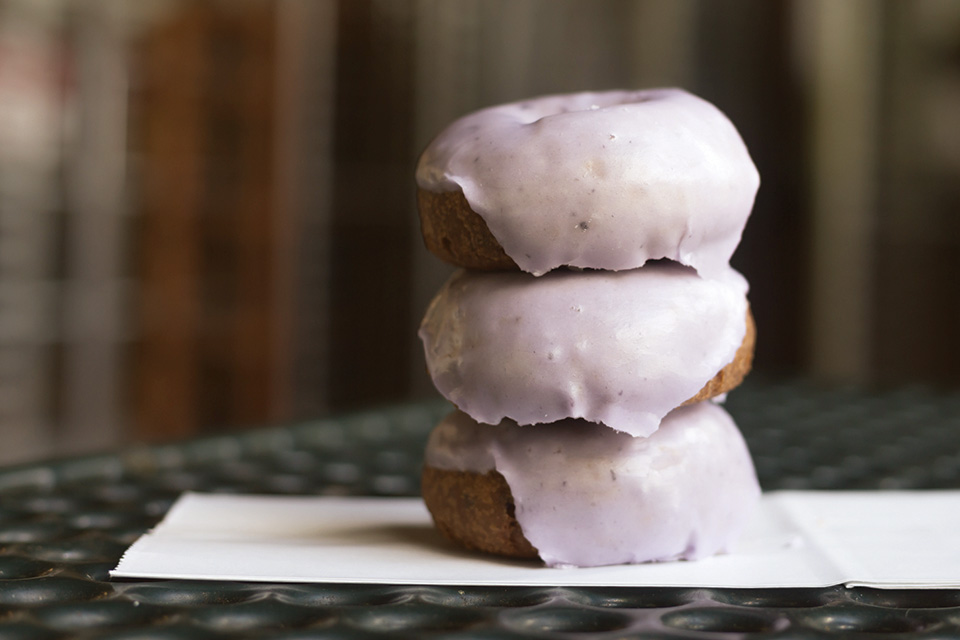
point(64, 525)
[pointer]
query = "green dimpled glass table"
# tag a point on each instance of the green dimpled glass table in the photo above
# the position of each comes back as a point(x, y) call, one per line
point(64, 525)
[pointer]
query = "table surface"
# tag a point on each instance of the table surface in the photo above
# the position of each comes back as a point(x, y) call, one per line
point(64, 525)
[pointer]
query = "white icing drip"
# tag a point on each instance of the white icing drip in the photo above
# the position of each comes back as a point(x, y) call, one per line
point(588, 496)
point(601, 180)
point(619, 348)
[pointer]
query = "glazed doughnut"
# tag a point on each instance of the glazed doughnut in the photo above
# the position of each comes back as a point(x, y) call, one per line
point(618, 348)
point(593, 180)
point(575, 493)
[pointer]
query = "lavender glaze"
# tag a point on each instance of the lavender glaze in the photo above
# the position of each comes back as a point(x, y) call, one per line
point(589, 496)
point(601, 180)
point(619, 348)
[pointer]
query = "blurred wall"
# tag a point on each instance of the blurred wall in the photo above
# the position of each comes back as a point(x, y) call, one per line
point(207, 211)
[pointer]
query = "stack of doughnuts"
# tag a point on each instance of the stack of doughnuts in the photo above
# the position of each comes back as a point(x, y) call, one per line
point(591, 330)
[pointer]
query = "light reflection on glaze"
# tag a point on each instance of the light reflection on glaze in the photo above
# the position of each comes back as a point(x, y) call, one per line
point(589, 496)
point(620, 348)
point(601, 180)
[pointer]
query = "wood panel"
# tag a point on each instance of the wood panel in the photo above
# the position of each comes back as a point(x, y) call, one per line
point(370, 269)
point(206, 108)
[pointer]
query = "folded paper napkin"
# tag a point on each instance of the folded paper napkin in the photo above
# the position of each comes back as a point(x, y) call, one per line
point(797, 539)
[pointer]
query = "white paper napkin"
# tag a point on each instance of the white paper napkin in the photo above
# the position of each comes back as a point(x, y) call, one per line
point(797, 539)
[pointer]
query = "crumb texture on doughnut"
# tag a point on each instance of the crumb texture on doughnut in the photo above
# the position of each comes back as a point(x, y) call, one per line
point(457, 235)
point(475, 510)
point(732, 375)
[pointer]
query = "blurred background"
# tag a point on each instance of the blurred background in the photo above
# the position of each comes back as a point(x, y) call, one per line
point(207, 215)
